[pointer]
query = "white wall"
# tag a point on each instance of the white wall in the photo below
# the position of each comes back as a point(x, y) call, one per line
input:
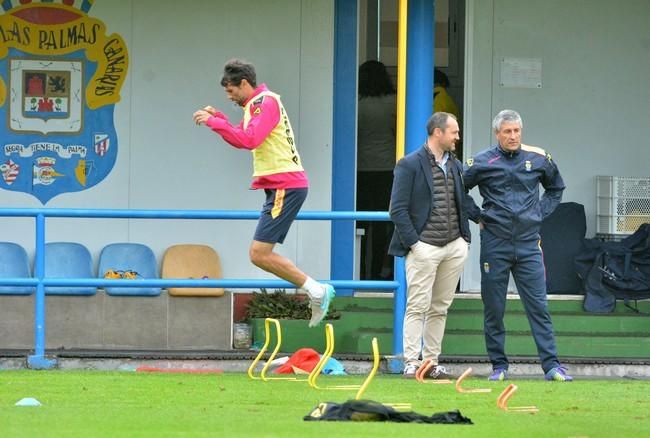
point(177, 51)
point(593, 109)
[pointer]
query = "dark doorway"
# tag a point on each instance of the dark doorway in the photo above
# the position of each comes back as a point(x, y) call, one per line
point(378, 30)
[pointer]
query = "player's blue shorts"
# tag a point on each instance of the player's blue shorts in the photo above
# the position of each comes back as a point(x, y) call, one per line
point(280, 209)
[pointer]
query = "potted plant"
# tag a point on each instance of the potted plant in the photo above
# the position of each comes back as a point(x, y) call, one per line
point(293, 312)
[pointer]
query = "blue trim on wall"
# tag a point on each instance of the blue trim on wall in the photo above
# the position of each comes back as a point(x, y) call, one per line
point(419, 74)
point(344, 139)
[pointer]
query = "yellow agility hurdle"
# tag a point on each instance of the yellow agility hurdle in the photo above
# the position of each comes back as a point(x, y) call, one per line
point(267, 341)
point(329, 350)
point(361, 389)
point(366, 383)
point(373, 371)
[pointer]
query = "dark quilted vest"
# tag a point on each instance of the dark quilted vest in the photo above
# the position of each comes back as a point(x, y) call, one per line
point(443, 224)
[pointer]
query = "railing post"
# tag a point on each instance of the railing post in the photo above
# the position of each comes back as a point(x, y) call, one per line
point(38, 360)
point(396, 362)
point(419, 76)
point(344, 137)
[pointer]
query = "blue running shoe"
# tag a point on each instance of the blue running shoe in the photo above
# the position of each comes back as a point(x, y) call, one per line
point(498, 375)
point(558, 374)
point(320, 307)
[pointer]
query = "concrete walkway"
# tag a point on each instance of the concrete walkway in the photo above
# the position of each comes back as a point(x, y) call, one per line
point(354, 367)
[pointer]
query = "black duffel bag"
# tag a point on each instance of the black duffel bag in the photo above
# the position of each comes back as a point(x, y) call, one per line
point(615, 270)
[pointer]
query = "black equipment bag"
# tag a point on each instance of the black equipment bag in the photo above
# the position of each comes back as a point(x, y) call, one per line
point(615, 270)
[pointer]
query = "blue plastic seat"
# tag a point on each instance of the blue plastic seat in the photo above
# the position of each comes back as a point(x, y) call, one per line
point(68, 260)
point(131, 257)
point(14, 263)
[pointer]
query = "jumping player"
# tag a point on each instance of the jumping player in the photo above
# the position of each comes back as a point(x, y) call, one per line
point(265, 130)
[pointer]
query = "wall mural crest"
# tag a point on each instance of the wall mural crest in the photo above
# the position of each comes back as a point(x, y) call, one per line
point(60, 78)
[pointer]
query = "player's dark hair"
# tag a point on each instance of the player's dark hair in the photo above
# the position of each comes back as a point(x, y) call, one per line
point(236, 70)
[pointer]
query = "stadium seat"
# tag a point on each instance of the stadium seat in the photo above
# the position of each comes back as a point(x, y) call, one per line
point(192, 261)
point(131, 261)
point(14, 263)
point(68, 260)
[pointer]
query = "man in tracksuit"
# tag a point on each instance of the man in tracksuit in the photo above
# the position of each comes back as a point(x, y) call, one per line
point(508, 176)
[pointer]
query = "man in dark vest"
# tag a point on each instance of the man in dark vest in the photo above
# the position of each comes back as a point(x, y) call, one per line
point(432, 231)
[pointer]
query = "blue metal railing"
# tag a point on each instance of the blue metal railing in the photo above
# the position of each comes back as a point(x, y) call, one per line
point(38, 359)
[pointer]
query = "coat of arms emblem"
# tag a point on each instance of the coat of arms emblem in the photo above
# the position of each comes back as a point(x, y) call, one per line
point(60, 78)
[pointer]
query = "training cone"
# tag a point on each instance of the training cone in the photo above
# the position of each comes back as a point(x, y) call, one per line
point(28, 402)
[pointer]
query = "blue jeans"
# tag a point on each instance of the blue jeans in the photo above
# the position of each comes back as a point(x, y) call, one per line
point(525, 260)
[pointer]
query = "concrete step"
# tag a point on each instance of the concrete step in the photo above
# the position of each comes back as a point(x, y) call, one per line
point(622, 334)
point(472, 301)
point(522, 344)
point(632, 325)
point(472, 343)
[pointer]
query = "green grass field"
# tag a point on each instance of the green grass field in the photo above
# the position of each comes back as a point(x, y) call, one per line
point(92, 403)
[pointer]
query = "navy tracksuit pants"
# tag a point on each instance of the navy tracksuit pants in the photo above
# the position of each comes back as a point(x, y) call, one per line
point(525, 260)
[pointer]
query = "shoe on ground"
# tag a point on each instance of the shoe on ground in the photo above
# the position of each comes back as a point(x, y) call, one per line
point(558, 374)
point(438, 372)
point(320, 307)
point(409, 371)
point(498, 375)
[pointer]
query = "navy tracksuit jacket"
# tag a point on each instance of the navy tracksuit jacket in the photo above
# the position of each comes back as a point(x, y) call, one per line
point(512, 213)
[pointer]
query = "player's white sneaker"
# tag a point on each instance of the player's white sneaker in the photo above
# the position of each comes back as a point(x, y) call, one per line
point(319, 307)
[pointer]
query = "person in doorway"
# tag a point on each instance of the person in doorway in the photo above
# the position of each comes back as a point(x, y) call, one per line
point(442, 101)
point(265, 130)
point(427, 206)
point(377, 115)
point(508, 176)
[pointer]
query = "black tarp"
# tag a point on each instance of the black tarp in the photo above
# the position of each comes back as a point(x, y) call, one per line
point(368, 410)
